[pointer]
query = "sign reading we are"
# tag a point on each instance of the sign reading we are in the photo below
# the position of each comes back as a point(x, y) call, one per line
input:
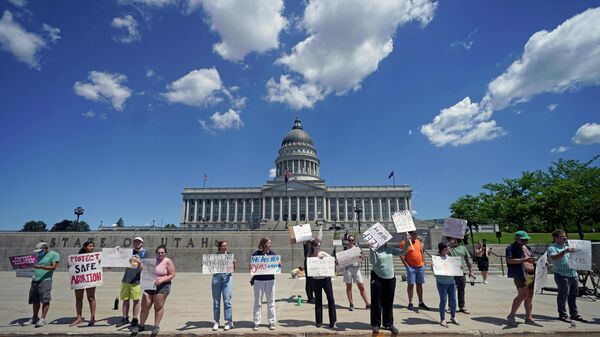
point(265, 264)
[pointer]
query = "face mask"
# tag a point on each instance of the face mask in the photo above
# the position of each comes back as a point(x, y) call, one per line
point(41, 254)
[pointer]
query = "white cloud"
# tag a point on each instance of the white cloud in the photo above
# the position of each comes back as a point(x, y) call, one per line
point(559, 149)
point(466, 43)
point(272, 173)
point(89, 114)
point(198, 88)
point(222, 121)
point(104, 86)
point(297, 97)
point(552, 62)
point(414, 212)
point(150, 3)
point(347, 39)
point(235, 101)
point(551, 107)
point(149, 72)
point(588, 133)
point(410, 132)
point(18, 3)
point(22, 44)
point(130, 24)
point(53, 32)
point(461, 124)
point(244, 26)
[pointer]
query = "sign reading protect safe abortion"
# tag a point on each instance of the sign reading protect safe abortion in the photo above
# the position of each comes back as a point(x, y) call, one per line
point(265, 264)
point(85, 270)
point(217, 263)
point(23, 261)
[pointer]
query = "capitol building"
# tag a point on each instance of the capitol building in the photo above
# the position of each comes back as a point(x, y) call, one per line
point(297, 195)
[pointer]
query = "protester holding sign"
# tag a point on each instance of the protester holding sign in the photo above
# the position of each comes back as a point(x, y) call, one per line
point(130, 284)
point(414, 261)
point(321, 284)
point(221, 287)
point(310, 292)
point(456, 249)
point(264, 285)
point(88, 247)
point(383, 286)
point(352, 274)
point(165, 272)
point(566, 278)
point(41, 284)
point(521, 269)
point(446, 289)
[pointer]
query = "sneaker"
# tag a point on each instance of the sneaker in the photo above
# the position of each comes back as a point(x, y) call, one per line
point(155, 330)
point(255, 328)
point(375, 329)
point(124, 321)
point(228, 326)
point(454, 321)
point(511, 320)
point(333, 326)
point(271, 326)
point(485, 282)
point(464, 311)
point(368, 306)
point(134, 322)
point(40, 323)
point(351, 307)
point(410, 306)
point(423, 306)
point(318, 325)
point(444, 324)
point(393, 329)
point(216, 326)
point(31, 321)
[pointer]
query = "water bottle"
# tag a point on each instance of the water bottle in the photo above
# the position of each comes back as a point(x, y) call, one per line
point(116, 306)
point(298, 300)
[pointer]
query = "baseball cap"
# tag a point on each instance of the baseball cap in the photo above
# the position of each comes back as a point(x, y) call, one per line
point(40, 246)
point(522, 235)
point(138, 238)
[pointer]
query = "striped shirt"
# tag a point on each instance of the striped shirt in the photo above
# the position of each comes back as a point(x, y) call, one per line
point(561, 266)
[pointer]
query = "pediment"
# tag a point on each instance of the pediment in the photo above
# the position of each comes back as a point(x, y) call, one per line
point(295, 185)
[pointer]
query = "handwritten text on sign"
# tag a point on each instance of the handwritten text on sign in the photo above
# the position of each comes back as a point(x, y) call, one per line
point(318, 267)
point(454, 228)
point(302, 233)
point(403, 221)
point(23, 261)
point(116, 257)
point(541, 273)
point(450, 266)
point(581, 258)
point(265, 264)
point(85, 270)
point(217, 263)
point(348, 257)
point(377, 236)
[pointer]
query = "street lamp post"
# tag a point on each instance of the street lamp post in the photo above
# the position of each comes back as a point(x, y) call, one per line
point(358, 211)
point(78, 211)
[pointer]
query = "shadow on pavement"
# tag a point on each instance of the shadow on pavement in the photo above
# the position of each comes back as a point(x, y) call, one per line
point(19, 321)
point(295, 323)
point(490, 320)
point(63, 320)
point(189, 325)
point(418, 321)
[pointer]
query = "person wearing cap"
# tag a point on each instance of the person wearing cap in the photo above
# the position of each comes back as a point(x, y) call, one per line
point(41, 284)
point(446, 289)
point(456, 249)
point(566, 278)
point(521, 269)
point(130, 284)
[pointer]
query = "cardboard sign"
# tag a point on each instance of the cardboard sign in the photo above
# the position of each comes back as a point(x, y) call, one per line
point(377, 236)
point(320, 267)
point(265, 264)
point(337, 242)
point(302, 233)
point(217, 263)
point(25, 273)
point(450, 266)
point(454, 228)
point(85, 270)
point(116, 257)
point(23, 261)
point(581, 258)
point(148, 276)
point(403, 222)
point(541, 273)
point(348, 257)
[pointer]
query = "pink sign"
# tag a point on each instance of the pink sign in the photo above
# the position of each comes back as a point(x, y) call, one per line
point(23, 261)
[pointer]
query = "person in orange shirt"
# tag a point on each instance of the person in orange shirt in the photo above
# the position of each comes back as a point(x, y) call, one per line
point(414, 261)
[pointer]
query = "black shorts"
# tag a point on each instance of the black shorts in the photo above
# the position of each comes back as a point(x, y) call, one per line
point(163, 288)
point(483, 264)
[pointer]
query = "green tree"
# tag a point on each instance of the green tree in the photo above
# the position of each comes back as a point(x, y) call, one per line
point(120, 223)
point(170, 225)
point(70, 226)
point(34, 226)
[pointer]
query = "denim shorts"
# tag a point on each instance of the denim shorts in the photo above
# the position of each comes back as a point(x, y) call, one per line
point(415, 275)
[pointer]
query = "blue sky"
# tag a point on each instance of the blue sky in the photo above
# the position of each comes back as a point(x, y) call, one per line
point(116, 106)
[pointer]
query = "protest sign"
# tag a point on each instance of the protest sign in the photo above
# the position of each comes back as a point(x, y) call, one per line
point(116, 257)
point(23, 261)
point(403, 221)
point(148, 277)
point(25, 273)
point(377, 236)
point(302, 233)
point(450, 266)
point(348, 257)
point(320, 267)
point(454, 228)
point(581, 258)
point(217, 263)
point(337, 242)
point(265, 264)
point(85, 270)
point(541, 273)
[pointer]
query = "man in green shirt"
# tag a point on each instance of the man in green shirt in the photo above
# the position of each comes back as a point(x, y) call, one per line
point(41, 284)
point(456, 249)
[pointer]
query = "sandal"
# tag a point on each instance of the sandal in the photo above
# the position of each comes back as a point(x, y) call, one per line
point(565, 319)
point(579, 318)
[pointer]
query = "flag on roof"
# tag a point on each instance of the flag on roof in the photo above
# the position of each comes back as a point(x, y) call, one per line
point(391, 174)
point(287, 174)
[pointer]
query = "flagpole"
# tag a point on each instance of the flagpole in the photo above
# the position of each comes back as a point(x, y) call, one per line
point(394, 180)
point(286, 206)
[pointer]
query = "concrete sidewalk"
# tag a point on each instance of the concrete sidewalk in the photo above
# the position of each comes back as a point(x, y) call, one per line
point(188, 310)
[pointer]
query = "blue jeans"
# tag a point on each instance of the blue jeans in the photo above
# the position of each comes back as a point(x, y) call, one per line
point(447, 292)
point(221, 285)
point(568, 289)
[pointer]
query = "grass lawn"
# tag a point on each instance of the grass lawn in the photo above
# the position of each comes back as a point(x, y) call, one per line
point(535, 237)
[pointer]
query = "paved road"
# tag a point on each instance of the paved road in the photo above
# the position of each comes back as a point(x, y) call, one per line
point(189, 310)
